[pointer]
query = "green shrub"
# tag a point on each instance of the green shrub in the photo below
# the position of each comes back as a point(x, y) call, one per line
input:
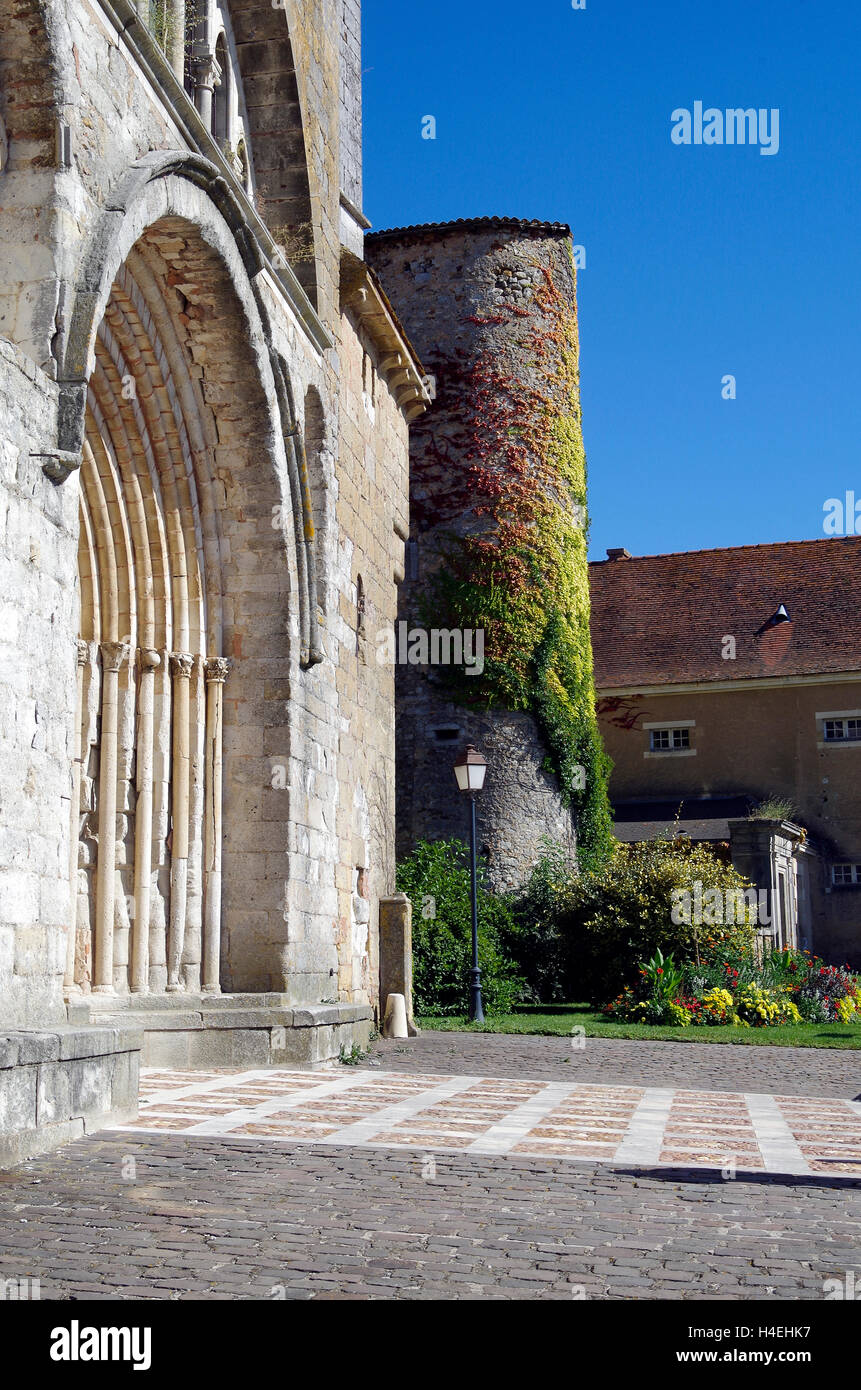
point(436, 877)
point(532, 937)
point(622, 913)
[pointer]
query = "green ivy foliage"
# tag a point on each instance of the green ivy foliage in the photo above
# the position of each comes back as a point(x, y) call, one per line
point(522, 575)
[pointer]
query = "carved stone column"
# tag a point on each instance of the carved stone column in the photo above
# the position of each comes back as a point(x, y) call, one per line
point(176, 37)
point(149, 662)
point(216, 671)
point(192, 954)
point(69, 984)
point(206, 76)
point(114, 654)
point(181, 664)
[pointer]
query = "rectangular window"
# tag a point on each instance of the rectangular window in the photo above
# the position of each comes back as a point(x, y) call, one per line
point(843, 875)
point(842, 730)
point(670, 740)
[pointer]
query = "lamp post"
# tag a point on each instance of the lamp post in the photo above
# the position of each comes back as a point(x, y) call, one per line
point(469, 771)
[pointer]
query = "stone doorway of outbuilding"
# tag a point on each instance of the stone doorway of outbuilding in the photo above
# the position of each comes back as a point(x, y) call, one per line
point(775, 855)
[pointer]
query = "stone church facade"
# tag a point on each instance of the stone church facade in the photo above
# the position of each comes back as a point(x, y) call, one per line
point(205, 401)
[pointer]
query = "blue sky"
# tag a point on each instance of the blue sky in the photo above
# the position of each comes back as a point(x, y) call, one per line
point(701, 261)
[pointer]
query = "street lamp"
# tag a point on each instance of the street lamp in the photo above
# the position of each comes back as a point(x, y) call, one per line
point(469, 771)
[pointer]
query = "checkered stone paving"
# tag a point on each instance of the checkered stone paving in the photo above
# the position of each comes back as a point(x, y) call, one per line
point(646, 1126)
point(465, 1168)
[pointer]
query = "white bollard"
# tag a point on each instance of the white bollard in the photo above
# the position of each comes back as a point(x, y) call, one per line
point(395, 1019)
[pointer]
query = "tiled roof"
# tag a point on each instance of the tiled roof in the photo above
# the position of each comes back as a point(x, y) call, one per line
point(662, 619)
point(473, 224)
point(699, 818)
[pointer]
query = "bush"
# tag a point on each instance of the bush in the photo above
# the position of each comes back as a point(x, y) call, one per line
point(622, 914)
point(656, 998)
point(532, 938)
point(436, 877)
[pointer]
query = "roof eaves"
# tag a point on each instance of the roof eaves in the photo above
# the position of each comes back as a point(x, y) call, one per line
point(472, 224)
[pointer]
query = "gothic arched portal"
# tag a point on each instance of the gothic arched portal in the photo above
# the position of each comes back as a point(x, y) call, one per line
point(179, 485)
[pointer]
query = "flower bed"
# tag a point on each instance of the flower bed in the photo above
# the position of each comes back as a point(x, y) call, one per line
point(744, 988)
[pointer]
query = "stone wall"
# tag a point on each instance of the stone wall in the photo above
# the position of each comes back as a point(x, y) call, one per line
point(59, 1083)
point(372, 493)
point(38, 527)
point(519, 805)
point(351, 101)
point(147, 283)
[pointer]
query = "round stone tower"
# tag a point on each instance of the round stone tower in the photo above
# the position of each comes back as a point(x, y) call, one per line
point(492, 646)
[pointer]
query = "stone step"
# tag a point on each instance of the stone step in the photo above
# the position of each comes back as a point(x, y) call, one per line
point(214, 1011)
point(115, 1003)
point(171, 1020)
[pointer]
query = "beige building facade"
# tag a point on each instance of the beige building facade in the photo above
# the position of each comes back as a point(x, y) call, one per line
point(729, 680)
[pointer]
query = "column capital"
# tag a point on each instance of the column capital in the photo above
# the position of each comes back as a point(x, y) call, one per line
point(217, 668)
point(149, 658)
point(181, 664)
point(205, 70)
point(114, 654)
point(83, 651)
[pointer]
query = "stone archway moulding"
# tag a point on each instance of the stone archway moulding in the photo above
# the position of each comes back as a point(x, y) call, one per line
point(189, 186)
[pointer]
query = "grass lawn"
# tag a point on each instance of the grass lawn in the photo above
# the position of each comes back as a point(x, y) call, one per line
point(559, 1019)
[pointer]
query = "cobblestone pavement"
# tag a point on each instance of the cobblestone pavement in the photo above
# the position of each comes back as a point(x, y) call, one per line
point(796, 1071)
point(480, 1115)
point(324, 1185)
point(134, 1215)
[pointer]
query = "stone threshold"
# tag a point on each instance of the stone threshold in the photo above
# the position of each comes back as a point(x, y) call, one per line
point(215, 1010)
point(230, 1030)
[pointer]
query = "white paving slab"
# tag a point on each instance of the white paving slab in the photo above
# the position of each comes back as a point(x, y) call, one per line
point(403, 1098)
